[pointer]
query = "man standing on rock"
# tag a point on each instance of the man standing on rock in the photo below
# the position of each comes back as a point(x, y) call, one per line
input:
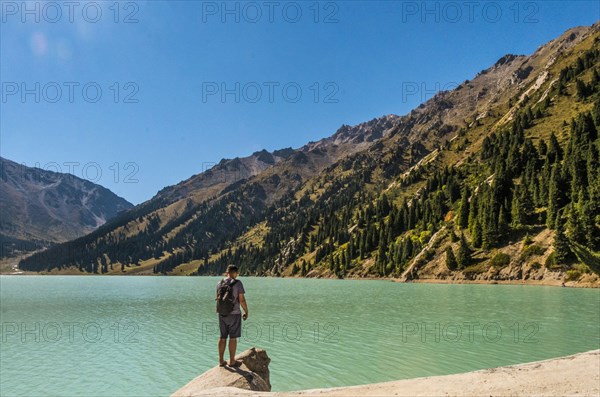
point(230, 295)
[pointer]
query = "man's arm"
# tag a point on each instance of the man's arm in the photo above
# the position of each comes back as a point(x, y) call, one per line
point(244, 305)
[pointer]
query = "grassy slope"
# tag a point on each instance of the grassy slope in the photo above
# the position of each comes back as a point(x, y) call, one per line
point(525, 263)
point(462, 146)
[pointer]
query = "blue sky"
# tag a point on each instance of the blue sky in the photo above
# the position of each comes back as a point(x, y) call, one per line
point(143, 94)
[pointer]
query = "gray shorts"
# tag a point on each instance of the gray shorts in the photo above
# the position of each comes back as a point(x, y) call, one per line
point(230, 325)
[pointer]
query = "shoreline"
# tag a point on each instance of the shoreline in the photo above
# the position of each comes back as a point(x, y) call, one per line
point(577, 374)
point(546, 283)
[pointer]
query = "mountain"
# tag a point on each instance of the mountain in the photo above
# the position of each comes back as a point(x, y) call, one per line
point(207, 201)
point(474, 184)
point(39, 207)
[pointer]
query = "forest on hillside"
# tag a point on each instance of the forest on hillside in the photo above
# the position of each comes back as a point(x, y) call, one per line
point(347, 221)
point(512, 186)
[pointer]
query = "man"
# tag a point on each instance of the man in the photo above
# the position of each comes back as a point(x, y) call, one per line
point(231, 325)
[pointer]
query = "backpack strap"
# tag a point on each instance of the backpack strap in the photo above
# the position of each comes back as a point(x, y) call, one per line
point(231, 284)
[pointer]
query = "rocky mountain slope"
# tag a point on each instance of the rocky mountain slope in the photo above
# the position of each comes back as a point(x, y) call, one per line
point(387, 198)
point(39, 207)
point(143, 233)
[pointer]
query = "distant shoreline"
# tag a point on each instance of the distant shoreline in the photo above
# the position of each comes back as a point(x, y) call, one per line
point(547, 283)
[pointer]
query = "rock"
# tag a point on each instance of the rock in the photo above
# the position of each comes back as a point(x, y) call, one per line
point(257, 361)
point(252, 375)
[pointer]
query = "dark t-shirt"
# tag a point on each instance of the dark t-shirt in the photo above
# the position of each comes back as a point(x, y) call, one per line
point(237, 289)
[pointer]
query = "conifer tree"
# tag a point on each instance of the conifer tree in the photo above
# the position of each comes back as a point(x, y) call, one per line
point(489, 235)
point(477, 235)
point(542, 147)
point(464, 253)
point(473, 212)
point(451, 262)
point(502, 223)
point(582, 89)
point(463, 215)
point(346, 261)
point(303, 269)
point(587, 223)
point(562, 251)
point(361, 246)
point(515, 212)
point(553, 196)
point(574, 229)
point(596, 112)
point(381, 258)
point(554, 150)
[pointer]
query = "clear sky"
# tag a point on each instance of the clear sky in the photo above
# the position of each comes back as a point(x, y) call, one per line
point(139, 95)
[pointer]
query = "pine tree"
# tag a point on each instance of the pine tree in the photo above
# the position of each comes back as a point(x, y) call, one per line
point(381, 258)
point(553, 197)
point(596, 112)
point(574, 229)
point(477, 235)
point(451, 262)
point(560, 87)
point(463, 215)
point(587, 223)
point(502, 223)
point(582, 89)
point(409, 248)
point(515, 211)
point(489, 230)
point(527, 206)
point(562, 251)
point(464, 253)
point(595, 77)
point(542, 147)
point(473, 212)
point(361, 246)
point(346, 264)
point(554, 150)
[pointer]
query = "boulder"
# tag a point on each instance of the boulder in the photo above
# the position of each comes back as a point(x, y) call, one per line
point(252, 375)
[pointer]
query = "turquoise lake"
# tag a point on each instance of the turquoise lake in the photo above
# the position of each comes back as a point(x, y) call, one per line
point(148, 336)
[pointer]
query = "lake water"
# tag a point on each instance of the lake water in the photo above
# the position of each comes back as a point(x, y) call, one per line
point(148, 336)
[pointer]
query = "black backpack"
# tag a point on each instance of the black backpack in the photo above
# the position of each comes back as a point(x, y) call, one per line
point(225, 297)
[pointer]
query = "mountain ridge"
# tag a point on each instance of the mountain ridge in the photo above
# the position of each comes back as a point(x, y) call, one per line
point(41, 207)
point(271, 216)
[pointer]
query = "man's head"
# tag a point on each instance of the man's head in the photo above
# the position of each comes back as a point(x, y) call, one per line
point(232, 271)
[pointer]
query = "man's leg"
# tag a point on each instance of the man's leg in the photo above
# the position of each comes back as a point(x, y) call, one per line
point(223, 331)
point(222, 343)
point(235, 332)
point(232, 348)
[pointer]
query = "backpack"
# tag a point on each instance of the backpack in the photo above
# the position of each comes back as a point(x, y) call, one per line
point(225, 297)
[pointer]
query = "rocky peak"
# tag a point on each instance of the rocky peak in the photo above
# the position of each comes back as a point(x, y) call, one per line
point(38, 204)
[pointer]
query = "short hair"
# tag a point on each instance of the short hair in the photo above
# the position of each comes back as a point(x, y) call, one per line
point(232, 269)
